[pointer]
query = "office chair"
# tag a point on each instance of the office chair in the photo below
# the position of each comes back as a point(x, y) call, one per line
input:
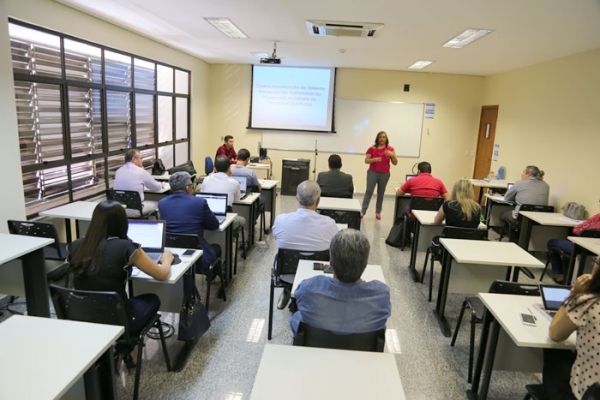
point(310, 336)
point(106, 308)
point(436, 252)
point(478, 310)
point(188, 241)
point(283, 273)
point(208, 165)
point(133, 202)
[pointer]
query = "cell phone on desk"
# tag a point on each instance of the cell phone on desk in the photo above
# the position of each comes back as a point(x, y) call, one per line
point(528, 319)
point(318, 266)
point(189, 252)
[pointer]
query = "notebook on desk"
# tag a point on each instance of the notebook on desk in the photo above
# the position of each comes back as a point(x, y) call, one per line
point(553, 296)
point(150, 235)
point(243, 185)
point(217, 202)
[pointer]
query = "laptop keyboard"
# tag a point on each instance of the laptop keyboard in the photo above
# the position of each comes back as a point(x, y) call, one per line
point(155, 256)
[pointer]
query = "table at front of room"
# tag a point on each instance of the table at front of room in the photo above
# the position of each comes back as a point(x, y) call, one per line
point(45, 357)
point(306, 270)
point(170, 292)
point(485, 184)
point(263, 171)
point(581, 247)
point(515, 347)
point(477, 264)
point(316, 373)
point(246, 208)
point(30, 250)
point(539, 227)
point(425, 230)
point(77, 210)
point(269, 190)
point(343, 211)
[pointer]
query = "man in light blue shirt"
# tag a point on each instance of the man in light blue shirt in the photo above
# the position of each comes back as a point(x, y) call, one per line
point(344, 304)
point(240, 168)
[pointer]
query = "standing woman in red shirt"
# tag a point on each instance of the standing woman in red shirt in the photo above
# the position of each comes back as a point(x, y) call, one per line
point(378, 157)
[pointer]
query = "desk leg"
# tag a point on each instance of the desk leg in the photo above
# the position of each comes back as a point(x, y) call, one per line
point(440, 306)
point(229, 250)
point(68, 230)
point(525, 234)
point(184, 354)
point(413, 253)
point(488, 364)
point(99, 378)
point(271, 209)
point(480, 194)
point(36, 284)
point(397, 211)
point(481, 358)
point(577, 250)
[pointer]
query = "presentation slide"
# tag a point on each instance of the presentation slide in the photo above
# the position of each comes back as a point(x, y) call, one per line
point(292, 98)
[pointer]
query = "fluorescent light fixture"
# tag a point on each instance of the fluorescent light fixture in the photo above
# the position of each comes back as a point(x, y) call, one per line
point(261, 55)
point(227, 27)
point(468, 36)
point(420, 64)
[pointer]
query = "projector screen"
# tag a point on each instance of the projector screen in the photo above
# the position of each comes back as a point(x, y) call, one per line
point(292, 98)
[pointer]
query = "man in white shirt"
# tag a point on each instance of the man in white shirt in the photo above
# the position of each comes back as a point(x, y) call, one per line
point(220, 182)
point(133, 176)
point(304, 229)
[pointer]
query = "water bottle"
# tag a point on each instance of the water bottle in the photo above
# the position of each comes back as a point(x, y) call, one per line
point(501, 172)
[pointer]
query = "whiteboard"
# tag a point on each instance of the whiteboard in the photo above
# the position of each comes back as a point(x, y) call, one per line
point(357, 123)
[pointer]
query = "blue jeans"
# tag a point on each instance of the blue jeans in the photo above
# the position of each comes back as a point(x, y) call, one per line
point(375, 178)
point(566, 246)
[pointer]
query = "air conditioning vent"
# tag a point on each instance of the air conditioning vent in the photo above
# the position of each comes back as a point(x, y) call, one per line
point(343, 29)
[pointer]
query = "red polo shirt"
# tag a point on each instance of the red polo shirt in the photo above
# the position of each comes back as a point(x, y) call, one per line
point(424, 185)
point(230, 153)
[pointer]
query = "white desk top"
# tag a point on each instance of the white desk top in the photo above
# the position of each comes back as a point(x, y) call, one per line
point(166, 188)
point(259, 165)
point(498, 198)
point(306, 270)
point(314, 373)
point(228, 220)
point(177, 270)
point(268, 183)
point(425, 217)
point(165, 176)
point(47, 368)
point(251, 198)
point(590, 244)
point(80, 210)
point(489, 253)
point(14, 246)
point(341, 226)
point(506, 309)
point(340, 204)
point(550, 218)
point(496, 184)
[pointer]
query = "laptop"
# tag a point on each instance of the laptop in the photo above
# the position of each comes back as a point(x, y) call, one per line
point(243, 185)
point(409, 176)
point(217, 202)
point(509, 186)
point(150, 234)
point(553, 297)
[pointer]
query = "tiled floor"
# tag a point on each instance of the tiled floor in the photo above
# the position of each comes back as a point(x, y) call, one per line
point(225, 361)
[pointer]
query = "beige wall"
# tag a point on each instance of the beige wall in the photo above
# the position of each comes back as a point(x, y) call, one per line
point(549, 116)
point(449, 140)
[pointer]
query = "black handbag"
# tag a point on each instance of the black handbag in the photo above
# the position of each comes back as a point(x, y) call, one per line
point(193, 317)
point(158, 168)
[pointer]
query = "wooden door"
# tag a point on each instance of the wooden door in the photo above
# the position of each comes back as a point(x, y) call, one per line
point(485, 144)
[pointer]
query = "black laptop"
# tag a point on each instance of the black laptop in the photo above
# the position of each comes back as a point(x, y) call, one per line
point(217, 202)
point(553, 296)
point(150, 234)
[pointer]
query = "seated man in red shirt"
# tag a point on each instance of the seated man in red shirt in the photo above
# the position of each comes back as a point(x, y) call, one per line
point(424, 184)
point(226, 149)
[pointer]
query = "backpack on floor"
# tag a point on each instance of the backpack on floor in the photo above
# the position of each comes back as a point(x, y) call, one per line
point(394, 238)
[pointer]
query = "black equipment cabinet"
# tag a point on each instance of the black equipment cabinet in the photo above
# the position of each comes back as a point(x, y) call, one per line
point(295, 171)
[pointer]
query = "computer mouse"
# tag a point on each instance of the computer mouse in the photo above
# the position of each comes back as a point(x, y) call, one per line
point(176, 259)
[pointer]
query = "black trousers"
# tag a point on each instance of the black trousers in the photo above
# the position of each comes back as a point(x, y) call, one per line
point(556, 374)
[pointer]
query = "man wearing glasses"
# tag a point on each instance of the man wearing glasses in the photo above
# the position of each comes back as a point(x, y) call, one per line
point(133, 176)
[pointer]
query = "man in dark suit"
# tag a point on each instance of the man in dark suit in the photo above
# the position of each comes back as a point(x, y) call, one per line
point(335, 183)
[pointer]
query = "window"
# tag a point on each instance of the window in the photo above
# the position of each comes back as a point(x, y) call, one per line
point(81, 105)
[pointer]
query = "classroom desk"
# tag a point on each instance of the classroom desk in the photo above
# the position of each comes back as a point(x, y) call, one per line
point(316, 373)
point(30, 250)
point(341, 226)
point(263, 171)
point(45, 357)
point(77, 210)
point(269, 189)
point(485, 184)
point(477, 265)
point(582, 246)
point(165, 177)
point(305, 270)
point(157, 195)
point(224, 238)
point(245, 208)
point(539, 227)
point(495, 206)
point(425, 230)
point(170, 292)
point(517, 346)
point(344, 211)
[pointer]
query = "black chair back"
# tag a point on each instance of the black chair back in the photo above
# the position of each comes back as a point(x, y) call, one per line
point(40, 229)
point(591, 233)
point(515, 288)
point(182, 241)
point(452, 232)
point(426, 203)
point(130, 198)
point(286, 261)
point(314, 337)
point(592, 393)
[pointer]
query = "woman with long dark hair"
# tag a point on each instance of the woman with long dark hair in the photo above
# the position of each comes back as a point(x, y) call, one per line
point(102, 261)
point(378, 157)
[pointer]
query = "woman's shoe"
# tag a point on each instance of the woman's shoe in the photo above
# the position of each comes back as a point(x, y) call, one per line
point(377, 215)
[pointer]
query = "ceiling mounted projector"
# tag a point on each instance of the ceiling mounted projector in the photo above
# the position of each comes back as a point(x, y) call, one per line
point(273, 59)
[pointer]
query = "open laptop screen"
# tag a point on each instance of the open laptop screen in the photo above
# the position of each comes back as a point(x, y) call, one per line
point(553, 296)
point(150, 234)
point(217, 202)
point(242, 180)
point(409, 176)
point(509, 186)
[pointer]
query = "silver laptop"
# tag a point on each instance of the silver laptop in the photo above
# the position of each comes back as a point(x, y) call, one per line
point(409, 176)
point(150, 234)
point(217, 202)
point(243, 184)
point(553, 297)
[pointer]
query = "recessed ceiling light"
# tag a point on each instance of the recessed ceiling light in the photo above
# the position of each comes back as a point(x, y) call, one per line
point(227, 27)
point(468, 36)
point(261, 55)
point(420, 64)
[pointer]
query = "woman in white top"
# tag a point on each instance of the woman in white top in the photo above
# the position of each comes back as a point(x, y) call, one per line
point(581, 312)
